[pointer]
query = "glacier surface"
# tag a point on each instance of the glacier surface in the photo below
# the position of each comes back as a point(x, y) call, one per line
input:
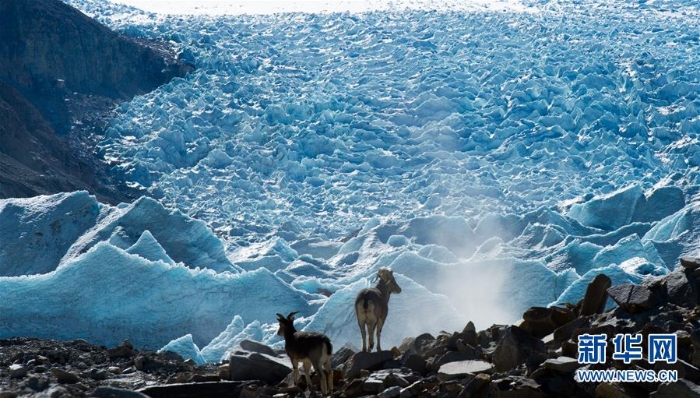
point(494, 159)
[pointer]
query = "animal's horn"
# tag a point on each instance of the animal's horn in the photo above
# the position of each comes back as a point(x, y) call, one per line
point(291, 315)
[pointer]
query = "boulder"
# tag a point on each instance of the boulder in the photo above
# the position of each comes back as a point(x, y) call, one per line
point(420, 344)
point(596, 295)
point(679, 389)
point(257, 366)
point(475, 386)
point(469, 334)
point(690, 263)
point(254, 346)
point(541, 321)
point(516, 386)
point(341, 356)
point(633, 298)
point(609, 390)
point(365, 360)
point(17, 371)
point(517, 347)
point(566, 331)
point(411, 360)
point(562, 364)
point(64, 377)
point(222, 389)
point(681, 287)
point(113, 392)
point(462, 369)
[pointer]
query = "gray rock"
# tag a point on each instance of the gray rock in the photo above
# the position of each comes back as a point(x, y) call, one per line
point(391, 392)
point(113, 392)
point(517, 347)
point(257, 366)
point(475, 386)
point(596, 295)
point(685, 370)
point(632, 298)
point(17, 371)
point(562, 364)
point(680, 389)
point(451, 356)
point(469, 335)
point(64, 377)
point(365, 360)
point(462, 369)
point(221, 389)
point(53, 392)
point(38, 383)
point(609, 390)
point(254, 346)
point(565, 332)
point(690, 263)
point(341, 356)
point(98, 374)
point(681, 289)
point(421, 344)
point(541, 321)
point(373, 385)
point(411, 360)
point(516, 386)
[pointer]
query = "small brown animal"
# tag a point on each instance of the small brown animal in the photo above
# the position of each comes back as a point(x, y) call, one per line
point(310, 348)
point(372, 307)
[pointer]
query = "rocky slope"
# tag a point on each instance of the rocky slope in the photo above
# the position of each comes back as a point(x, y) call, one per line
point(536, 358)
point(61, 75)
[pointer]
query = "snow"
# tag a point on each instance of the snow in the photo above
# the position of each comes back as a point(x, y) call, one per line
point(495, 155)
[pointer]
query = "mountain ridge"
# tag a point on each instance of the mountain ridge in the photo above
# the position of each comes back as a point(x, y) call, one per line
point(61, 75)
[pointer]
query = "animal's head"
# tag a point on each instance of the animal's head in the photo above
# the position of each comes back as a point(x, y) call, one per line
point(387, 276)
point(285, 323)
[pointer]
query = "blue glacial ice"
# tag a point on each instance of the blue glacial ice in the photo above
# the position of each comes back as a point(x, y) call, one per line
point(499, 162)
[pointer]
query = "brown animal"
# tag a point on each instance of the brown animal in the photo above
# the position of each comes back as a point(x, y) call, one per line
point(372, 307)
point(310, 348)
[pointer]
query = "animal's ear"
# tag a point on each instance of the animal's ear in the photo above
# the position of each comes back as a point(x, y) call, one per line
point(291, 315)
point(280, 317)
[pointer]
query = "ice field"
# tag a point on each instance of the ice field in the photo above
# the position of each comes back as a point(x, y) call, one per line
point(495, 155)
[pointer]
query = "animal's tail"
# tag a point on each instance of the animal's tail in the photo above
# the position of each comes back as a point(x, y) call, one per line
point(365, 304)
point(329, 346)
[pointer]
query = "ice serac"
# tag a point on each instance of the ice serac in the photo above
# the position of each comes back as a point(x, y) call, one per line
point(608, 212)
point(148, 247)
point(107, 295)
point(182, 238)
point(186, 348)
point(676, 235)
point(35, 233)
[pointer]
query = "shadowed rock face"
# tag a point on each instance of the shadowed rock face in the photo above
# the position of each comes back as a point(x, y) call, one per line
point(59, 67)
point(33, 159)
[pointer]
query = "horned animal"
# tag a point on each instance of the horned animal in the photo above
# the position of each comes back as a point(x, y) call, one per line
point(310, 348)
point(372, 307)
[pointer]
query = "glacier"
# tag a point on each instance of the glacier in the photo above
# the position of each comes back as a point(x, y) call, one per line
point(497, 162)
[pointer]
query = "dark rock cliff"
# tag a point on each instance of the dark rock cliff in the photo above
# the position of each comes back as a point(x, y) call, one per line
point(61, 74)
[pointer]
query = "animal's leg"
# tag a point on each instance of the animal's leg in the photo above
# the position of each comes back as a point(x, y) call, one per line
point(364, 336)
point(321, 375)
point(329, 370)
point(307, 368)
point(295, 372)
point(370, 330)
point(380, 325)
